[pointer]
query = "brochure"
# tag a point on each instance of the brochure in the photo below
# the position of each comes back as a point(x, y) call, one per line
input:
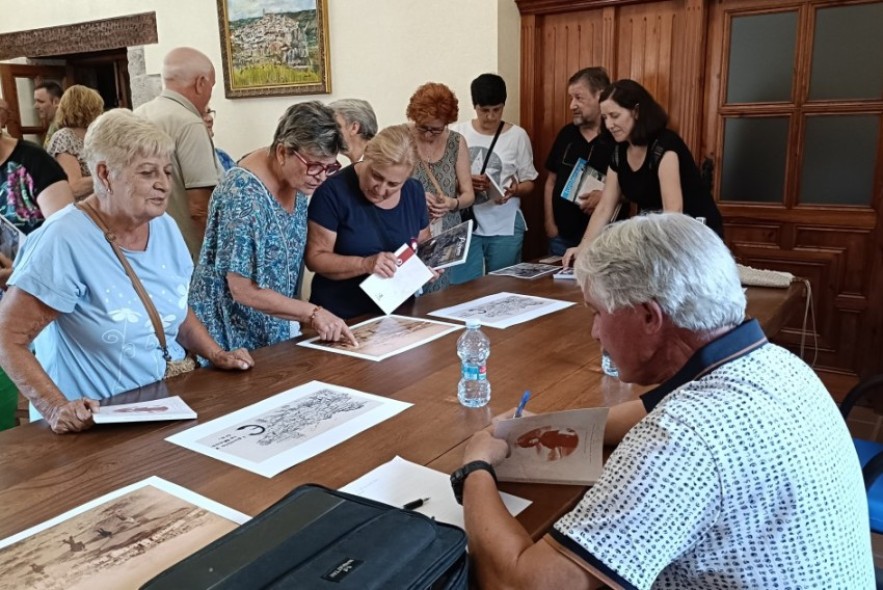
point(449, 248)
point(167, 408)
point(410, 275)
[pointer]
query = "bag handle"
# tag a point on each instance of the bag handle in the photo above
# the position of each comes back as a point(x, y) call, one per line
point(487, 157)
point(87, 208)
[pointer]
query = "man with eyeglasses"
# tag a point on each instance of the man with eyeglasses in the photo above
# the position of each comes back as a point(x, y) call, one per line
point(188, 79)
point(581, 149)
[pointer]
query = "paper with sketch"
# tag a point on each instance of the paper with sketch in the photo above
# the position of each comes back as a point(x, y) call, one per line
point(565, 274)
point(11, 238)
point(386, 336)
point(168, 408)
point(502, 310)
point(410, 275)
point(288, 428)
point(398, 482)
point(526, 270)
point(561, 447)
point(448, 248)
point(120, 540)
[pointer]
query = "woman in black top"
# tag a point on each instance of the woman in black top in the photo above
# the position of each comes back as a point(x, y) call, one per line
point(651, 165)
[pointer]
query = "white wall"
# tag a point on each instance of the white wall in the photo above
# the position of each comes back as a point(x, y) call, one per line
point(381, 50)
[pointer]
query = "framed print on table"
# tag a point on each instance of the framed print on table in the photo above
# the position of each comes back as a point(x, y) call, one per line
point(274, 47)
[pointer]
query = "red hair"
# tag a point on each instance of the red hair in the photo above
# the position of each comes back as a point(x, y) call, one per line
point(433, 101)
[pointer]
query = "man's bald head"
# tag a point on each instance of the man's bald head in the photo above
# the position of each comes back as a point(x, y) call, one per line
point(183, 65)
point(190, 73)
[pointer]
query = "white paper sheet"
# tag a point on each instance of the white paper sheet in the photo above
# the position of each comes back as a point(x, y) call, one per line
point(120, 540)
point(288, 428)
point(168, 408)
point(411, 274)
point(386, 336)
point(502, 310)
point(399, 481)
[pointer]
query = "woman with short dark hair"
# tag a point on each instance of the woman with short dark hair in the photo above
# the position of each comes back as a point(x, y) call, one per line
point(245, 287)
point(651, 165)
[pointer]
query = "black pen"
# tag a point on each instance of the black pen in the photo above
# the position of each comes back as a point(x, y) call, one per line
point(415, 504)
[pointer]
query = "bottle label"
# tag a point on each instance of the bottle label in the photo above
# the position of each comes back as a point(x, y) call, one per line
point(474, 372)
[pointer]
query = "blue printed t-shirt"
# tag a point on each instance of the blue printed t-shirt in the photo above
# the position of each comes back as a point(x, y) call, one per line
point(248, 233)
point(362, 229)
point(26, 173)
point(103, 342)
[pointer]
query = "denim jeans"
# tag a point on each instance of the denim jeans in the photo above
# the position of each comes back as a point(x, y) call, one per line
point(489, 253)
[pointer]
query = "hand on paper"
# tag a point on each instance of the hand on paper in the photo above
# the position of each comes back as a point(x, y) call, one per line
point(589, 201)
point(5, 271)
point(484, 447)
point(437, 204)
point(480, 182)
point(382, 263)
point(569, 257)
point(232, 359)
point(329, 327)
point(72, 416)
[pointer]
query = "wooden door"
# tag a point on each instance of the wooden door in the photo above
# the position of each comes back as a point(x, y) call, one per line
point(17, 83)
point(793, 128)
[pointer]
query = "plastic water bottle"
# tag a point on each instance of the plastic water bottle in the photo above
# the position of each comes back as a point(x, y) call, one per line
point(607, 365)
point(473, 348)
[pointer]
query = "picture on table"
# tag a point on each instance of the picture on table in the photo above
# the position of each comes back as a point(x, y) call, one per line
point(526, 270)
point(386, 336)
point(121, 541)
point(448, 248)
point(290, 427)
point(502, 310)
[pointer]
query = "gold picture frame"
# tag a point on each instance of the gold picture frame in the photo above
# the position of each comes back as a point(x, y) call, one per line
point(281, 51)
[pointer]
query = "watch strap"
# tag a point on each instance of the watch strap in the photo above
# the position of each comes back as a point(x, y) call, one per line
point(458, 477)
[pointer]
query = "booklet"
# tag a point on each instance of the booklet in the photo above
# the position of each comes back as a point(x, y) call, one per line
point(583, 179)
point(561, 447)
point(11, 238)
point(448, 248)
point(167, 408)
point(410, 275)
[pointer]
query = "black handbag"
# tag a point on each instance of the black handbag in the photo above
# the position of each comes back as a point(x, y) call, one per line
point(316, 537)
point(467, 213)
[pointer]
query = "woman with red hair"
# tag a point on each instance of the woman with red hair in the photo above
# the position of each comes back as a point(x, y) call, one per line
point(443, 169)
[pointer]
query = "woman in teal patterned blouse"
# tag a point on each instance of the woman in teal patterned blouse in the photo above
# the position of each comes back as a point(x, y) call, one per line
point(245, 287)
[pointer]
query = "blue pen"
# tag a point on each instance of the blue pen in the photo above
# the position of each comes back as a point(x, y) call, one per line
point(522, 403)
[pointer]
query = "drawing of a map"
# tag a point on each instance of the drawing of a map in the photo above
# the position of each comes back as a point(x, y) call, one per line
point(267, 435)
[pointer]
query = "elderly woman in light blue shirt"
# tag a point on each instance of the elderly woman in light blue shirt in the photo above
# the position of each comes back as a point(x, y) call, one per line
point(72, 297)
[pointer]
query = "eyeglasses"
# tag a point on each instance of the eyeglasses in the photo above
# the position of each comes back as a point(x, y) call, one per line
point(430, 130)
point(316, 168)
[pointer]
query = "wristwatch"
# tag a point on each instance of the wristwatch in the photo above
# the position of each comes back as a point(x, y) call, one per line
point(458, 478)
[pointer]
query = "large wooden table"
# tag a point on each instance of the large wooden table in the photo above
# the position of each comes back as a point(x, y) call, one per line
point(43, 474)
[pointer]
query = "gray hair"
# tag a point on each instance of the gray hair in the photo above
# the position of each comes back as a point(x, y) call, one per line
point(356, 110)
point(669, 258)
point(118, 137)
point(309, 126)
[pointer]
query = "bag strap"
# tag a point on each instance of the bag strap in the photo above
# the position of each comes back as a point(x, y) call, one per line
point(656, 152)
point(487, 157)
point(432, 178)
point(136, 282)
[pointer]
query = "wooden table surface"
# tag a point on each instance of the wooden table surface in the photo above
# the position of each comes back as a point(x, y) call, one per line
point(43, 475)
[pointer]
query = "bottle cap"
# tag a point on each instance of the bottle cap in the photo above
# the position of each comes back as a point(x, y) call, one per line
point(472, 323)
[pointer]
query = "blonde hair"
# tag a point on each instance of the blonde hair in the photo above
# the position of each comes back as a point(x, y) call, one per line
point(118, 137)
point(392, 146)
point(78, 107)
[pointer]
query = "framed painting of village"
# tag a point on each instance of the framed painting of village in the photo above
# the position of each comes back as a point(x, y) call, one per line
point(274, 47)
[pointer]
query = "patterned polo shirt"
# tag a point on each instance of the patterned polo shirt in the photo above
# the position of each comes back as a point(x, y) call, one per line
point(742, 475)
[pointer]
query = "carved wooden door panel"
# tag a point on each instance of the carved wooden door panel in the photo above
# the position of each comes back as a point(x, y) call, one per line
point(794, 113)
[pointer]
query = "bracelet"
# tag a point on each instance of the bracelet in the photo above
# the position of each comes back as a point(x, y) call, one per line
point(456, 204)
point(313, 315)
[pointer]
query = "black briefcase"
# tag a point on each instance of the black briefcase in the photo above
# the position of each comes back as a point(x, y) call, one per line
point(321, 538)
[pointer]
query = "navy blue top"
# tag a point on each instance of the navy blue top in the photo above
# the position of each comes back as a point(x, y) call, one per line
point(362, 229)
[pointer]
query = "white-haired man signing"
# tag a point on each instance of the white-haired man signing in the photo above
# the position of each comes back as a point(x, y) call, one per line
point(742, 473)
